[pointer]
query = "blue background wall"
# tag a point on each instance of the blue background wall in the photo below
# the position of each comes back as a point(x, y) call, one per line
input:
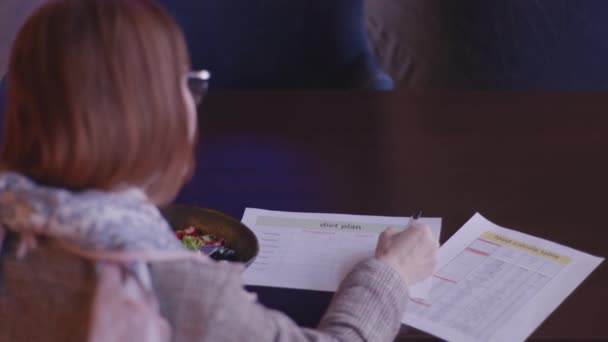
point(520, 44)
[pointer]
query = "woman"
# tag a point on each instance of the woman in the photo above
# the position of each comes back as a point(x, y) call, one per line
point(100, 129)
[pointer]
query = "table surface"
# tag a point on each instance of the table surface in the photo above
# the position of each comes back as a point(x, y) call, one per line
point(535, 162)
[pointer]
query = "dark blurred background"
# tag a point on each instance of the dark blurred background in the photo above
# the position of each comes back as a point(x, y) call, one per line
point(492, 44)
point(481, 44)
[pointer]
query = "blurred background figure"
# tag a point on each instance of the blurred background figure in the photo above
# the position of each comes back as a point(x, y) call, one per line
point(262, 44)
point(346, 44)
point(410, 41)
point(276, 44)
point(498, 44)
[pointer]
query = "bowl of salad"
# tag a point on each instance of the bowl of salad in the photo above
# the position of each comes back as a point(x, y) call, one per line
point(211, 232)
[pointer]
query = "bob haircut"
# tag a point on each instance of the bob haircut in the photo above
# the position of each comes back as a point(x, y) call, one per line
point(96, 100)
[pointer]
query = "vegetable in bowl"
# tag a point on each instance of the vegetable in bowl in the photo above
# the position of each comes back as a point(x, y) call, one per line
point(195, 239)
point(237, 237)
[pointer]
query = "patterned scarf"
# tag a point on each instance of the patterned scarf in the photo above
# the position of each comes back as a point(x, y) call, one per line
point(91, 220)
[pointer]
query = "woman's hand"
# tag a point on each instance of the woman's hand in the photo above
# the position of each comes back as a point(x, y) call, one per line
point(412, 253)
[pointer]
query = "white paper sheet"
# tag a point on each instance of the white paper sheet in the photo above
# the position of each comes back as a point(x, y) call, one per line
point(496, 284)
point(316, 251)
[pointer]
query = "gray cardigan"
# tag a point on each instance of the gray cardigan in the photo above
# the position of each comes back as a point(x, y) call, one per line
point(47, 297)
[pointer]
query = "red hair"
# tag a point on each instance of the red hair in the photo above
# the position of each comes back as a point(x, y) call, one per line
point(95, 98)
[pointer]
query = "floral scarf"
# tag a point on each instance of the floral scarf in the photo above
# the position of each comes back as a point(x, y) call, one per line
point(91, 220)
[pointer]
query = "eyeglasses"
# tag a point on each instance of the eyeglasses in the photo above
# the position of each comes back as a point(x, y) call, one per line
point(198, 83)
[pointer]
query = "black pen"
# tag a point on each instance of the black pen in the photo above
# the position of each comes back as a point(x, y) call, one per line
point(414, 218)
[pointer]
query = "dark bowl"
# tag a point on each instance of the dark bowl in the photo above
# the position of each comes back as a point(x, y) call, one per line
point(237, 235)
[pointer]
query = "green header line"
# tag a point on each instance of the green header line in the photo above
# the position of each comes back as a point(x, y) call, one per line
point(328, 225)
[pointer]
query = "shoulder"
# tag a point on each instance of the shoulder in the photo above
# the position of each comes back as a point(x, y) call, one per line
point(194, 281)
point(192, 294)
point(188, 269)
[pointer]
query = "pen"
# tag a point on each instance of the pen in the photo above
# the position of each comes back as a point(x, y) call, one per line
point(415, 216)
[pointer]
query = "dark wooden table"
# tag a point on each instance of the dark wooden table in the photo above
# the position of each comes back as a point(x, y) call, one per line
point(536, 162)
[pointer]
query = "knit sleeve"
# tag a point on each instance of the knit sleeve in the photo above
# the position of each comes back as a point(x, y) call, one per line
point(209, 303)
